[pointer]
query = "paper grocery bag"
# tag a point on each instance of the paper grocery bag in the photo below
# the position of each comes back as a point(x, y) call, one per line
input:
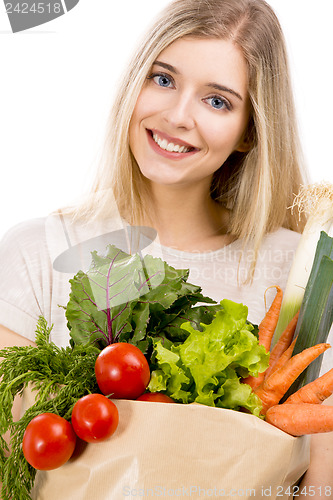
point(166, 450)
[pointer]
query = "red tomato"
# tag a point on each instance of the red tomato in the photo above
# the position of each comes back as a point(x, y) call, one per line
point(122, 371)
point(48, 441)
point(155, 396)
point(94, 418)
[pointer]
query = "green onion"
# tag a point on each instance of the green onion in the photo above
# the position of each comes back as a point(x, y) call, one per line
point(317, 201)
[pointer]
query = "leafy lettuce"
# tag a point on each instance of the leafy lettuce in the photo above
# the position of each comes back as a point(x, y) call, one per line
point(207, 367)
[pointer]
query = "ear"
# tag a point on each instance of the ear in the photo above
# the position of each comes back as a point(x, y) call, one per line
point(247, 141)
point(244, 146)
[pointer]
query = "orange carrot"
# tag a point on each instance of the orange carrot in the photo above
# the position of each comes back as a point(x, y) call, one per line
point(299, 419)
point(276, 385)
point(283, 359)
point(282, 345)
point(268, 324)
point(254, 382)
point(266, 332)
point(315, 392)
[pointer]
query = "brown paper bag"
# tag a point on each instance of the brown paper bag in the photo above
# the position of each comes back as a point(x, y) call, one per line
point(187, 451)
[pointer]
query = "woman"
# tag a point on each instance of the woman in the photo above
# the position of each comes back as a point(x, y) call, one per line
point(202, 147)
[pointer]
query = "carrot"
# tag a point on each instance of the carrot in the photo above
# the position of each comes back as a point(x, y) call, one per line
point(283, 359)
point(315, 392)
point(299, 419)
point(254, 382)
point(266, 332)
point(269, 322)
point(282, 345)
point(276, 385)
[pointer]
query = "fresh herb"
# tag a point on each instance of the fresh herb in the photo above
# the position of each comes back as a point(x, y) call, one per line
point(59, 377)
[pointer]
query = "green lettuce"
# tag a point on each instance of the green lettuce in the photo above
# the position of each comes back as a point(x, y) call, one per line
point(208, 366)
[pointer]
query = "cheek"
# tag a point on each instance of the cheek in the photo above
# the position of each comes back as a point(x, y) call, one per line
point(146, 105)
point(226, 138)
point(221, 141)
point(138, 114)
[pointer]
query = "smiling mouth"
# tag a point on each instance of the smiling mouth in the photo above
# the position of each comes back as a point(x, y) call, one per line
point(170, 146)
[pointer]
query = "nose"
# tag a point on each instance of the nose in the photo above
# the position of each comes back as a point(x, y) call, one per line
point(180, 112)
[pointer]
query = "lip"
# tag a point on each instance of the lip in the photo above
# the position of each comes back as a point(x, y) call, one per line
point(169, 154)
point(174, 140)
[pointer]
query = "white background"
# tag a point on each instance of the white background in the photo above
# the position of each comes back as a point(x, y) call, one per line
point(57, 83)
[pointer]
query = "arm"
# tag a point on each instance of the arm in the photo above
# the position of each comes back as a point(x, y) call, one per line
point(9, 338)
point(320, 472)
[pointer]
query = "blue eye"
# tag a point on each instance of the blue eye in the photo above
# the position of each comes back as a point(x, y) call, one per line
point(217, 102)
point(162, 80)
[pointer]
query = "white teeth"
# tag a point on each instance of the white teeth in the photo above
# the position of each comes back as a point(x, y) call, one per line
point(163, 144)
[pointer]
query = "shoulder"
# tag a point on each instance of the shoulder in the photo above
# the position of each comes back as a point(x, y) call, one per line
point(24, 254)
point(24, 230)
point(23, 268)
point(46, 238)
point(282, 238)
point(275, 258)
point(280, 245)
point(23, 238)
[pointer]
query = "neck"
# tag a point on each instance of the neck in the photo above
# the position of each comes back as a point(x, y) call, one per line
point(189, 220)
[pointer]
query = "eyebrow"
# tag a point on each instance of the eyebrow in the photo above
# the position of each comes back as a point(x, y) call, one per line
point(217, 86)
point(222, 88)
point(167, 66)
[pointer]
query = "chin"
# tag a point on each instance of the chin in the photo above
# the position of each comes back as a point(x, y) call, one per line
point(162, 178)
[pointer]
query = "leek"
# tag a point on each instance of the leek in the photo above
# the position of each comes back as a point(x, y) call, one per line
point(310, 283)
point(317, 201)
point(316, 313)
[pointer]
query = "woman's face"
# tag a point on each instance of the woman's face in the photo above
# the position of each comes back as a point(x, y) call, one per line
point(191, 113)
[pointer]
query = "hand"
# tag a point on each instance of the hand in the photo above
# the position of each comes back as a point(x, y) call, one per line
point(320, 472)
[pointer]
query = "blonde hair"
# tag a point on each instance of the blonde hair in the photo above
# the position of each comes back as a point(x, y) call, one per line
point(257, 186)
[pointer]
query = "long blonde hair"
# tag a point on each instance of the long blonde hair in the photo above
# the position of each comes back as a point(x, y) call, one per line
point(257, 186)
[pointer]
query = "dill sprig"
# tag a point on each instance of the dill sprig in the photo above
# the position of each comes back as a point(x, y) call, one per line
point(59, 377)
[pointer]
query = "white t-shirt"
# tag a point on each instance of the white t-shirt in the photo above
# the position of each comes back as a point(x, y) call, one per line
point(39, 257)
